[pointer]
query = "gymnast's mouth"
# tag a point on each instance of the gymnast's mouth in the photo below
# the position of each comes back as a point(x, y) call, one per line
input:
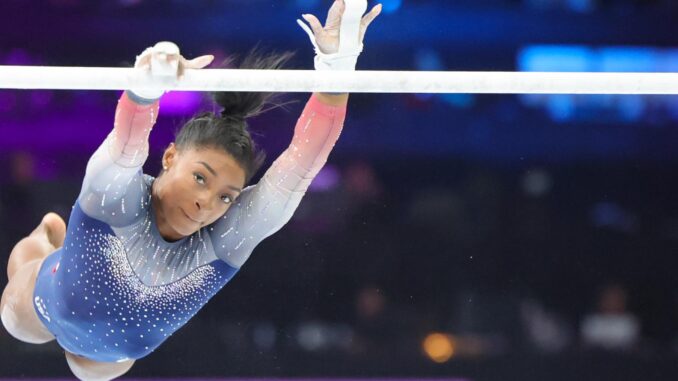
point(189, 217)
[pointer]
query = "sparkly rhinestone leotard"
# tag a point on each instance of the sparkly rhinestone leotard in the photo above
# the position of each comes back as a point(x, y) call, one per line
point(116, 289)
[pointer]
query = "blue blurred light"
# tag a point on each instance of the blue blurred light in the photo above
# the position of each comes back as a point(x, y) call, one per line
point(573, 58)
point(307, 4)
point(459, 100)
point(428, 59)
point(626, 59)
point(555, 58)
point(561, 107)
point(583, 6)
point(632, 107)
point(668, 62)
point(390, 6)
point(612, 216)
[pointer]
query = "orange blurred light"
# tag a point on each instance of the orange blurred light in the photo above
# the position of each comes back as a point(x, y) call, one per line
point(439, 347)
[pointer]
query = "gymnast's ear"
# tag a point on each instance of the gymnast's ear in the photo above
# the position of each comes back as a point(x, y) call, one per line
point(169, 156)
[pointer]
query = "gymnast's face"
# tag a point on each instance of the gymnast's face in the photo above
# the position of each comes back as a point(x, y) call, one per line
point(197, 186)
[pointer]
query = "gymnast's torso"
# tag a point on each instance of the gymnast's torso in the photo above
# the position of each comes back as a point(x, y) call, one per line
point(116, 293)
point(117, 289)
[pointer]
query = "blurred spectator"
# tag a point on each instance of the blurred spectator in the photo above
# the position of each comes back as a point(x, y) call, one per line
point(612, 216)
point(364, 192)
point(323, 210)
point(546, 331)
point(340, 198)
point(377, 325)
point(611, 326)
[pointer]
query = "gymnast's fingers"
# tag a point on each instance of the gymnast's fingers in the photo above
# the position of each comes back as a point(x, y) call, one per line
point(143, 60)
point(316, 26)
point(368, 18)
point(198, 62)
point(195, 63)
point(335, 14)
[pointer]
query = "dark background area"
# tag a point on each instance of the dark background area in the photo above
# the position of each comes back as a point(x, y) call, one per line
point(486, 237)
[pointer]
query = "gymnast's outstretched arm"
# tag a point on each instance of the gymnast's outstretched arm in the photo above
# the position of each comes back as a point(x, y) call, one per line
point(113, 171)
point(264, 208)
point(112, 189)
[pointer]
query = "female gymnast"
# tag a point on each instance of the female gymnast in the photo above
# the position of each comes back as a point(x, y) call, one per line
point(142, 255)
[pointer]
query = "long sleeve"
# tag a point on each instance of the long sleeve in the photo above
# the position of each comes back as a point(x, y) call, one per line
point(264, 208)
point(113, 188)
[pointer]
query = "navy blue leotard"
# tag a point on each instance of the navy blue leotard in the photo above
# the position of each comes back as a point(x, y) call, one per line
point(116, 289)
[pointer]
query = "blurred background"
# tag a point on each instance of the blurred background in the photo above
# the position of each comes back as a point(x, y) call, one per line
point(478, 237)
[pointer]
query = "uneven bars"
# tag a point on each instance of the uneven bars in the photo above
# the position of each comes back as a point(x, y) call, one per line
point(93, 78)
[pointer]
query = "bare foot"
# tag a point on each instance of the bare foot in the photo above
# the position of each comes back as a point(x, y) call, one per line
point(43, 241)
point(54, 227)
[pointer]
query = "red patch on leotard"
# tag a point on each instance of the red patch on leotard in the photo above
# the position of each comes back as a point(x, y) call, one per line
point(56, 267)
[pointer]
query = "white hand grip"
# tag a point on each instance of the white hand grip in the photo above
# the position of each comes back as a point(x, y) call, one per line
point(160, 65)
point(349, 34)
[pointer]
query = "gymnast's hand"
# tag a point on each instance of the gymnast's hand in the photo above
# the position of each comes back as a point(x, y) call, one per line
point(165, 60)
point(327, 37)
point(332, 52)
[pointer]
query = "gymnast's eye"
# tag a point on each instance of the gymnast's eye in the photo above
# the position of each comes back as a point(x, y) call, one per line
point(200, 179)
point(226, 199)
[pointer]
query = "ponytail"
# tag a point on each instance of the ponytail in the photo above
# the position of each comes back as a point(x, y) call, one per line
point(228, 130)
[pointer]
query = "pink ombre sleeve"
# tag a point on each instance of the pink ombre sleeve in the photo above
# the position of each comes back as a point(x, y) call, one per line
point(264, 208)
point(113, 187)
point(128, 145)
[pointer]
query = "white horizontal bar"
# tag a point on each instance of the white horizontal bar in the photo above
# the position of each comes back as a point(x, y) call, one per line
point(91, 78)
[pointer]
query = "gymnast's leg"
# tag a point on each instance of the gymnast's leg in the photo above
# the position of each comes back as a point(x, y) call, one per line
point(88, 370)
point(16, 307)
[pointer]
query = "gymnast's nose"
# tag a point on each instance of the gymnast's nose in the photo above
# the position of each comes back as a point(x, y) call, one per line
point(201, 201)
point(202, 205)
